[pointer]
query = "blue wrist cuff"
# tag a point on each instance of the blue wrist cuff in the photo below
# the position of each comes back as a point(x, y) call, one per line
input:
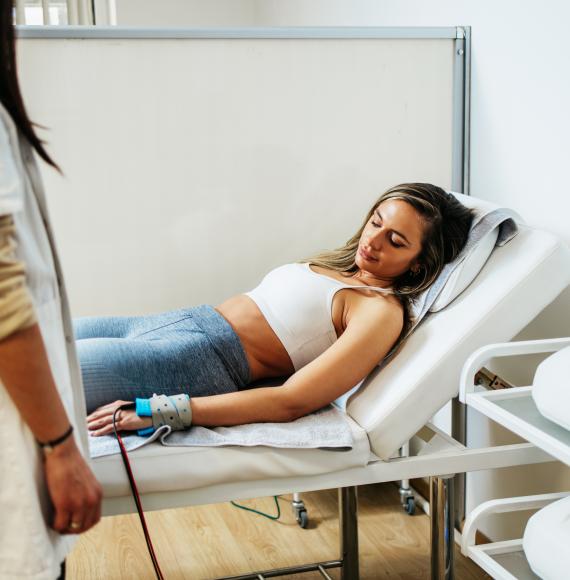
point(145, 432)
point(143, 408)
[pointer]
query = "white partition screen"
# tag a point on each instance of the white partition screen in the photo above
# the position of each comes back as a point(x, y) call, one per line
point(195, 161)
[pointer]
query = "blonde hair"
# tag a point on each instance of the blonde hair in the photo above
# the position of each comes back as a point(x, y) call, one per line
point(446, 228)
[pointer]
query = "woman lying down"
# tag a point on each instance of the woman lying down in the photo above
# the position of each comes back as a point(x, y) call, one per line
point(325, 323)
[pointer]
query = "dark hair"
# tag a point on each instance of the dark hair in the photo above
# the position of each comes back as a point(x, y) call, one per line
point(10, 94)
point(447, 224)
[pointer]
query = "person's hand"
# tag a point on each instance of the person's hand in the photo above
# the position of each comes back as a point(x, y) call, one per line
point(75, 493)
point(100, 422)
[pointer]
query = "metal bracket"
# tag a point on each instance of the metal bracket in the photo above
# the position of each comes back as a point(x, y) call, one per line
point(489, 380)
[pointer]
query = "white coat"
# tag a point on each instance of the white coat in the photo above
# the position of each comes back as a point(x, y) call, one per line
point(28, 547)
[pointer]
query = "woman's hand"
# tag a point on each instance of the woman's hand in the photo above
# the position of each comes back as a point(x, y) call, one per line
point(75, 493)
point(100, 422)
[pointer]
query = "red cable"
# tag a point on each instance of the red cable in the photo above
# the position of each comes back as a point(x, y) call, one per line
point(135, 493)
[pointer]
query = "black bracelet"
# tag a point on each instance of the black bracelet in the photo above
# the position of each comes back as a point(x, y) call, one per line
point(48, 446)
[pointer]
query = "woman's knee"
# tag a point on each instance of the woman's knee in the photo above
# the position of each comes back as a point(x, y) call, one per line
point(82, 327)
point(102, 326)
point(103, 371)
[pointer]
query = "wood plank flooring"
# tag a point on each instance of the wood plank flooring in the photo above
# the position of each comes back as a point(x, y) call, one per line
point(206, 542)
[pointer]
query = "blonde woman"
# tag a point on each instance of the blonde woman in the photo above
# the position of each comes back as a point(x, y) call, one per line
point(323, 323)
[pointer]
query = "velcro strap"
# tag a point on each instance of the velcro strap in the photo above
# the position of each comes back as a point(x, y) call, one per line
point(174, 411)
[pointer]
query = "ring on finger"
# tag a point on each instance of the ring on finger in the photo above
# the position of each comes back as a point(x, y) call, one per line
point(74, 525)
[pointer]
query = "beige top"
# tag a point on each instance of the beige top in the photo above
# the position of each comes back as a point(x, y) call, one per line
point(16, 309)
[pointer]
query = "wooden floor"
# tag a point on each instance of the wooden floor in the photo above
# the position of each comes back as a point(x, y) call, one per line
point(210, 541)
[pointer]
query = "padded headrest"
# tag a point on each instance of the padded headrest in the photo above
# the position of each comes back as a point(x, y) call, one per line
point(471, 261)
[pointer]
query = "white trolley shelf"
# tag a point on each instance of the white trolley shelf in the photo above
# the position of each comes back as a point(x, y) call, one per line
point(514, 409)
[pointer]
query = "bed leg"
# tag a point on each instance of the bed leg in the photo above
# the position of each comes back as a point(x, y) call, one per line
point(348, 522)
point(442, 527)
point(459, 433)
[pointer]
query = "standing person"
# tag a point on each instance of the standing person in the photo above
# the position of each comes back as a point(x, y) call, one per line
point(47, 490)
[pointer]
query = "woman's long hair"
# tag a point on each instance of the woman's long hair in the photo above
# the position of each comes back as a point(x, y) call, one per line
point(10, 94)
point(446, 228)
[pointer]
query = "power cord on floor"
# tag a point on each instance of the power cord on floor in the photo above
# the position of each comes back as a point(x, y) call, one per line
point(275, 497)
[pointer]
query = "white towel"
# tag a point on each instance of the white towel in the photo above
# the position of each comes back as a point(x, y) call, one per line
point(326, 428)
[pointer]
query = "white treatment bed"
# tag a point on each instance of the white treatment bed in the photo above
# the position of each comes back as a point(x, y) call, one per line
point(392, 406)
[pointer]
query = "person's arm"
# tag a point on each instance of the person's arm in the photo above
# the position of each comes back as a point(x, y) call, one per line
point(26, 376)
point(369, 336)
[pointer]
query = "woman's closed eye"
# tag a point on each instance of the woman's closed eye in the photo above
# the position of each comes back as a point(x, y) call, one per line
point(392, 239)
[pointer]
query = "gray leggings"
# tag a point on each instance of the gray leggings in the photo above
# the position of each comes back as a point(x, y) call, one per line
point(191, 350)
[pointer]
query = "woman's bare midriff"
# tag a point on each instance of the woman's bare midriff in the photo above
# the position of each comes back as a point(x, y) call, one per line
point(265, 353)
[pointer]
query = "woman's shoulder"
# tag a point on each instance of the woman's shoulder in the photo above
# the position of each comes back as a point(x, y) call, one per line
point(374, 307)
point(380, 302)
point(374, 323)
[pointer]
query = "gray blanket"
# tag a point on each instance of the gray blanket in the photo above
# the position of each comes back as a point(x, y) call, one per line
point(327, 428)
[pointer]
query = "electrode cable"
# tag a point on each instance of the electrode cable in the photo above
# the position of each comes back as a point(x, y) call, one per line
point(135, 492)
point(137, 499)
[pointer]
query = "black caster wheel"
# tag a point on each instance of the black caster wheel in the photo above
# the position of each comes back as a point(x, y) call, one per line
point(410, 506)
point(302, 519)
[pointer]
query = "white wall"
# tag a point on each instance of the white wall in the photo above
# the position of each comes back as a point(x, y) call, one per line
point(195, 165)
point(520, 150)
point(520, 87)
point(185, 12)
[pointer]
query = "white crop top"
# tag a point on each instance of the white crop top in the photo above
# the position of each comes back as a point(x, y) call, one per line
point(297, 304)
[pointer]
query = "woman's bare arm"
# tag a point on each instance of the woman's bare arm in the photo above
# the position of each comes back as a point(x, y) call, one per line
point(370, 334)
point(26, 374)
point(24, 368)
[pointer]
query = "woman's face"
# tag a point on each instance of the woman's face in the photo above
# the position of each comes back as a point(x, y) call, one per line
point(390, 243)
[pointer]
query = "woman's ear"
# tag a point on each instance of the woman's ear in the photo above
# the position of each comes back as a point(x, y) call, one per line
point(415, 267)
